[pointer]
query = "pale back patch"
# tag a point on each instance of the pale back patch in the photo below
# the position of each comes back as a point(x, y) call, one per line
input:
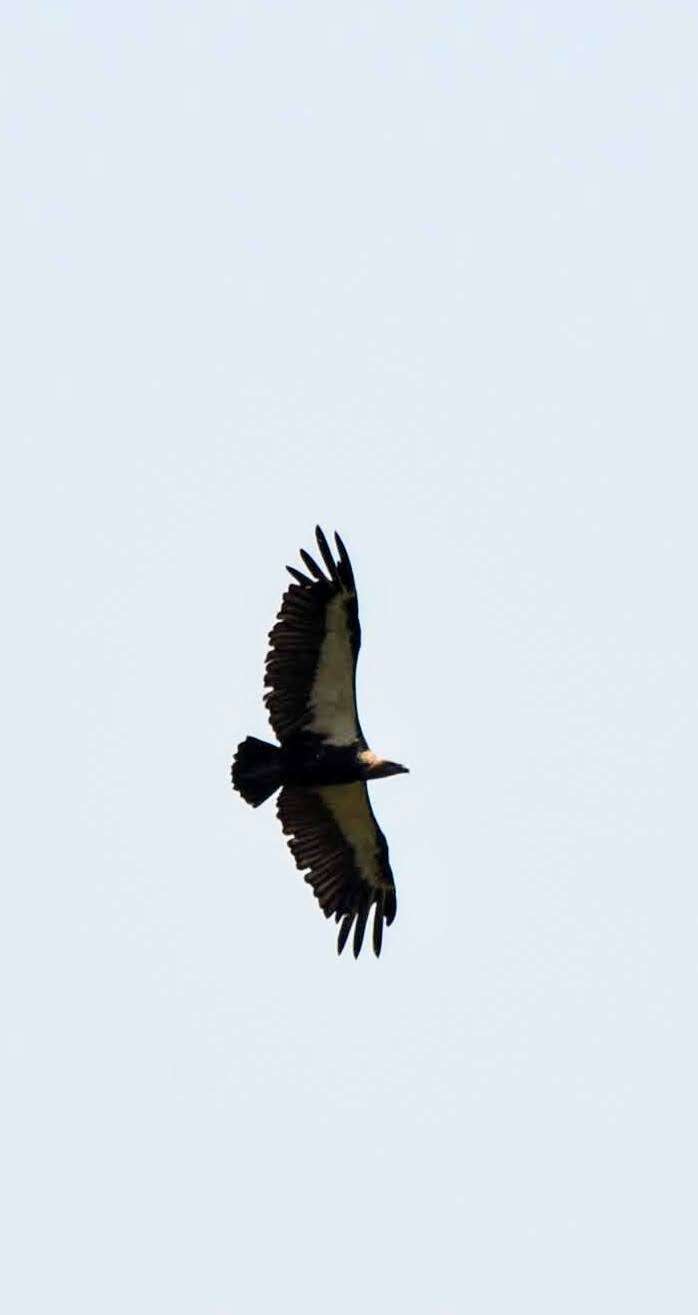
point(351, 811)
point(332, 691)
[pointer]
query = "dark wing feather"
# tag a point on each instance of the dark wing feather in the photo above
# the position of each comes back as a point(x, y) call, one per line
point(333, 833)
point(311, 664)
point(327, 557)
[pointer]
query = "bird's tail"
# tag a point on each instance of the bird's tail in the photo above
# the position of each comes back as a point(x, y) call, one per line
point(256, 770)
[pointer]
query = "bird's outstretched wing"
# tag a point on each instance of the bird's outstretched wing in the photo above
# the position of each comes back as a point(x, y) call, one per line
point(311, 664)
point(332, 832)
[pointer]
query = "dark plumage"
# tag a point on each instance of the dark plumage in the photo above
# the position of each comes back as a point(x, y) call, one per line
point(323, 762)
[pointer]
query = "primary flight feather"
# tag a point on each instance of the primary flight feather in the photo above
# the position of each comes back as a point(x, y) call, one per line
point(322, 762)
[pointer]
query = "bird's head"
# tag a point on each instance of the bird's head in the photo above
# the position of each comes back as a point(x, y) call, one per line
point(375, 767)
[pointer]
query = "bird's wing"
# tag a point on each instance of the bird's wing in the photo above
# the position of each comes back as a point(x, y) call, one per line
point(311, 663)
point(332, 832)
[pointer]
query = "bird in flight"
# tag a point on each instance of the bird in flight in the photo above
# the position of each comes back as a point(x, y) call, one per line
point(322, 762)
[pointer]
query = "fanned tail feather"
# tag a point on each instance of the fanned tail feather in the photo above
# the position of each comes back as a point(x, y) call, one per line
point(256, 770)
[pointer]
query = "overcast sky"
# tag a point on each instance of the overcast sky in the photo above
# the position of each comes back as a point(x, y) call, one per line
point(424, 273)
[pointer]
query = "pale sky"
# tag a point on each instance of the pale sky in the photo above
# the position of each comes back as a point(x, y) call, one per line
point(425, 274)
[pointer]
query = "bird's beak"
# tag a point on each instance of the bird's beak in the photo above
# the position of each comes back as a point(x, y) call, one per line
point(375, 767)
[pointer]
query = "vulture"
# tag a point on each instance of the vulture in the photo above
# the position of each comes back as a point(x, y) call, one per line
point(322, 763)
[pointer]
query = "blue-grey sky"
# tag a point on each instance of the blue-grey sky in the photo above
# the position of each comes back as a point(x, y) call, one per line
point(425, 274)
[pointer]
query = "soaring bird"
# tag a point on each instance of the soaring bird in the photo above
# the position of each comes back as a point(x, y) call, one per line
point(322, 762)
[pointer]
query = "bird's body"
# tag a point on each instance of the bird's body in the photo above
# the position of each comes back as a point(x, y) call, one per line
point(323, 761)
point(309, 762)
